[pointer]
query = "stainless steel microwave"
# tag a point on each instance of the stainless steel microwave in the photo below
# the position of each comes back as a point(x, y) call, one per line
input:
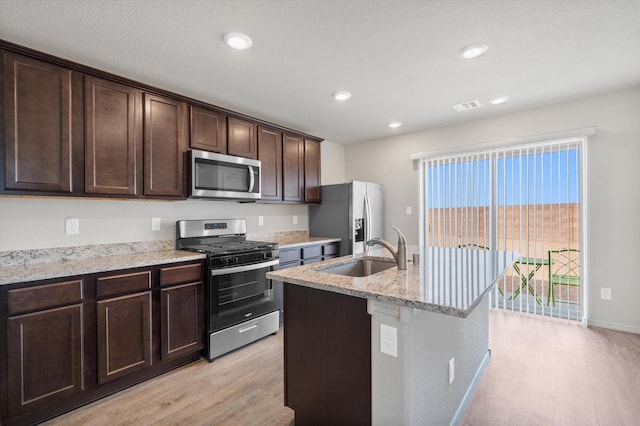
point(220, 176)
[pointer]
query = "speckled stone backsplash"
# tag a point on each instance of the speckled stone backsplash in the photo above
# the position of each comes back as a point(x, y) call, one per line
point(63, 254)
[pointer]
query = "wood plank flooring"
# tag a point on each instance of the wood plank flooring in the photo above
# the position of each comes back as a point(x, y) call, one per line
point(547, 371)
point(543, 371)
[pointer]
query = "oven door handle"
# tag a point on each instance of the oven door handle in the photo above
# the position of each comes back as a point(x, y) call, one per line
point(244, 268)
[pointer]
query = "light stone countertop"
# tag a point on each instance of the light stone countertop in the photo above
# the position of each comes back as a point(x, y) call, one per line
point(432, 285)
point(295, 241)
point(40, 264)
point(66, 268)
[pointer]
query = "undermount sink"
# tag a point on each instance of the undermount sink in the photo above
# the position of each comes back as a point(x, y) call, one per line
point(360, 267)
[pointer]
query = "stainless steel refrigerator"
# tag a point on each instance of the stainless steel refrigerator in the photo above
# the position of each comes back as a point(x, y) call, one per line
point(352, 211)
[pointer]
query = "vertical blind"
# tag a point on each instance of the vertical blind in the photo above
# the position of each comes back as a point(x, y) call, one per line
point(524, 199)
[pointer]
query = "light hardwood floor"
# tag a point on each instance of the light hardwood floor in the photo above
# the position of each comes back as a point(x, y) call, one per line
point(543, 372)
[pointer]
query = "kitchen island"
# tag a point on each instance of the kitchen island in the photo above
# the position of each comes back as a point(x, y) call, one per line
point(431, 321)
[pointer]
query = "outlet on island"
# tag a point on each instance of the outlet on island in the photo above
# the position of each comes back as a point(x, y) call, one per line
point(389, 340)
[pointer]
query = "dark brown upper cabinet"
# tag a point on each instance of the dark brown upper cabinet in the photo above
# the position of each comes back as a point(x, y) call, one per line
point(37, 125)
point(208, 130)
point(270, 155)
point(242, 138)
point(113, 145)
point(68, 129)
point(311, 171)
point(165, 141)
point(293, 168)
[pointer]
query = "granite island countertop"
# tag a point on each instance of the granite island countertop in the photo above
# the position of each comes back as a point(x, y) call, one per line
point(431, 285)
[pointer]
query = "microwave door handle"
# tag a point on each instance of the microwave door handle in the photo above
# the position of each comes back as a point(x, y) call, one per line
point(252, 180)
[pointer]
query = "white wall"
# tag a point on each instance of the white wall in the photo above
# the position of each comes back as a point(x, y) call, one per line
point(31, 223)
point(613, 174)
point(332, 158)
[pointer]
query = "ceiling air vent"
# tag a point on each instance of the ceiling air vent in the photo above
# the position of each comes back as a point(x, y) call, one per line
point(467, 105)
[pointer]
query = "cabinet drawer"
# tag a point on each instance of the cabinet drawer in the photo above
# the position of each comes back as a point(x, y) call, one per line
point(44, 296)
point(330, 249)
point(180, 274)
point(126, 283)
point(289, 255)
point(311, 251)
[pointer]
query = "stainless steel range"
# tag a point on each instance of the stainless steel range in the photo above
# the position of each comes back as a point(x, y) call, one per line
point(241, 304)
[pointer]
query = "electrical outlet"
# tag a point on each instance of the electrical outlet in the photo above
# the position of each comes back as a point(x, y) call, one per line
point(408, 211)
point(155, 223)
point(260, 220)
point(605, 293)
point(72, 226)
point(452, 370)
point(295, 220)
point(389, 340)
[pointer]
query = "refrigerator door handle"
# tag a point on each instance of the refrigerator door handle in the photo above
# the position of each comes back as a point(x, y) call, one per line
point(367, 225)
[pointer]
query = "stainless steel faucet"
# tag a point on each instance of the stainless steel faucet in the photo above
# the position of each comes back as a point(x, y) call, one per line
point(400, 255)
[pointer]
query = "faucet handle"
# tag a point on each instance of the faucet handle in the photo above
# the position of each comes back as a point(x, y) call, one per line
point(373, 241)
point(401, 238)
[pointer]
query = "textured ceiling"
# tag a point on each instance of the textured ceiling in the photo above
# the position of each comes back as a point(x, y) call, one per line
point(398, 58)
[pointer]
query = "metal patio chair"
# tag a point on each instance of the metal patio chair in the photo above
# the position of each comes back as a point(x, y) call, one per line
point(564, 270)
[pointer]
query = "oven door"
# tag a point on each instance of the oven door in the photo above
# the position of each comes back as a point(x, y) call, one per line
point(240, 293)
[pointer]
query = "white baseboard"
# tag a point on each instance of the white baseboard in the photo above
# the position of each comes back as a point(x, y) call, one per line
point(615, 326)
point(471, 390)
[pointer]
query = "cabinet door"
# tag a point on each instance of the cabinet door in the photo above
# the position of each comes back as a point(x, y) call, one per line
point(293, 168)
point(124, 335)
point(44, 357)
point(311, 171)
point(165, 142)
point(242, 138)
point(270, 155)
point(208, 130)
point(113, 161)
point(37, 125)
point(182, 320)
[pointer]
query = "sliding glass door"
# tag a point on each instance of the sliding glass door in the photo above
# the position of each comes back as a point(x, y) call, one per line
point(523, 199)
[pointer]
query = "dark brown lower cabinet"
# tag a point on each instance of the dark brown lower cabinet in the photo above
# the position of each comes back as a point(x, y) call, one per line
point(124, 335)
point(182, 319)
point(44, 357)
point(77, 339)
point(327, 357)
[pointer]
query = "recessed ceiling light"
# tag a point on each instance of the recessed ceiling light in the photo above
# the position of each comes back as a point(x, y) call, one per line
point(473, 50)
point(238, 40)
point(500, 100)
point(395, 124)
point(341, 96)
